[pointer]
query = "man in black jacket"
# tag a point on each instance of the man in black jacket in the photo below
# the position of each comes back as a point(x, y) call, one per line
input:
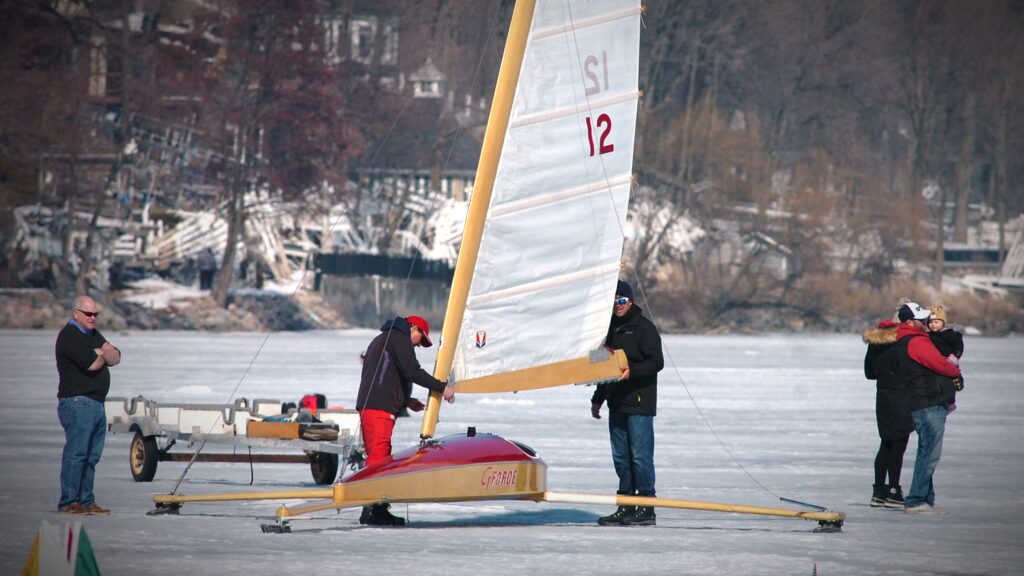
point(385, 389)
point(83, 355)
point(632, 405)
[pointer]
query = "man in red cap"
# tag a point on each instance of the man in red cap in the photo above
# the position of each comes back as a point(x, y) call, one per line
point(389, 370)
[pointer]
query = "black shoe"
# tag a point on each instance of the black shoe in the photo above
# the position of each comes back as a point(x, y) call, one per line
point(619, 517)
point(379, 515)
point(367, 516)
point(878, 495)
point(644, 517)
point(894, 499)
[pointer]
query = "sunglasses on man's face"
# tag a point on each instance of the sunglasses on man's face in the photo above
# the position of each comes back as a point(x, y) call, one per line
point(89, 314)
point(622, 301)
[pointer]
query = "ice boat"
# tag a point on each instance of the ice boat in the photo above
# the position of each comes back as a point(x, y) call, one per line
point(537, 268)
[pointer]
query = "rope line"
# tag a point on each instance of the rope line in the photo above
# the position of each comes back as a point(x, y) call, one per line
point(637, 283)
point(323, 243)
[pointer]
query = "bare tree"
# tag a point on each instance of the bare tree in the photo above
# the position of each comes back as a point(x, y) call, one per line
point(273, 108)
point(72, 51)
point(1000, 69)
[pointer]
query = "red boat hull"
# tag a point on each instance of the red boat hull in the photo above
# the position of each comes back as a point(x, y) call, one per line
point(454, 468)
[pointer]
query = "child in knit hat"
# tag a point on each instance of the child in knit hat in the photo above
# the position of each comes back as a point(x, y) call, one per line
point(948, 341)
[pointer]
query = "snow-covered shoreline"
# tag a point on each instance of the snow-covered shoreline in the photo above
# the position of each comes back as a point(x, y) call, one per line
point(157, 304)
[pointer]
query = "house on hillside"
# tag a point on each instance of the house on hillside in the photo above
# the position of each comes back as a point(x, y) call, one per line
point(429, 157)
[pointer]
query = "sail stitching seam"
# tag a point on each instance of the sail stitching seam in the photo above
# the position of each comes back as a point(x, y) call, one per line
point(595, 21)
point(555, 197)
point(549, 282)
point(574, 110)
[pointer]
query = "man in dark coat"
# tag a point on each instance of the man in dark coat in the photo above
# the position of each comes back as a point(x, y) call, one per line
point(83, 356)
point(892, 413)
point(920, 365)
point(385, 389)
point(207, 268)
point(632, 405)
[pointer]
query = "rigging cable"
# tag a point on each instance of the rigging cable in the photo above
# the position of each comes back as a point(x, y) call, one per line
point(434, 197)
point(270, 331)
point(619, 219)
point(323, 241)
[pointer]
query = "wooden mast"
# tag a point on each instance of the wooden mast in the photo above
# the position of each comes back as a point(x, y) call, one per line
point(494, 138)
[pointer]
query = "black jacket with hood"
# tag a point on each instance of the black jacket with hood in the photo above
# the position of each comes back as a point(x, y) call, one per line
point(948, 341)
point(881, 363)
point(639, 339)
point(390, 368)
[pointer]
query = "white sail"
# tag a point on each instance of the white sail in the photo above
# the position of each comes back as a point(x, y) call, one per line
point(549, 256)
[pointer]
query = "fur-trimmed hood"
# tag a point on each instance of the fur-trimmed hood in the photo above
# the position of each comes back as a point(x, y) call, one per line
point(884, 334)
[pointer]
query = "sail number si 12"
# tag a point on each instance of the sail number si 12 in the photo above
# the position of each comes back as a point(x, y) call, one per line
point(604, 121)
point(604, 124)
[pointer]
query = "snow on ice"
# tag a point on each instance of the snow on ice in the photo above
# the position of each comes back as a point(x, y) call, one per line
point(791, 416)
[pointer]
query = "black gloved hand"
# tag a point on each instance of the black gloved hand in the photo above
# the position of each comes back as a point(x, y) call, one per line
point(958, 382)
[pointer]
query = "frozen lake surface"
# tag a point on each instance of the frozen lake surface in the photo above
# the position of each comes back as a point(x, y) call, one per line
point(742, 419)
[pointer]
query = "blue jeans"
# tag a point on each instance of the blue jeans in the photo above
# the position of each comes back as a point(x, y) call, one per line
point(85, 429)
point(930, 424)
point(632, 437)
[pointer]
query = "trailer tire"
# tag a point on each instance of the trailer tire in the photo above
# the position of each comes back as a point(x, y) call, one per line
point(324, 466)
point(142, 457)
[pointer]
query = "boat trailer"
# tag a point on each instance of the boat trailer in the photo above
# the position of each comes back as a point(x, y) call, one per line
point(326, 446)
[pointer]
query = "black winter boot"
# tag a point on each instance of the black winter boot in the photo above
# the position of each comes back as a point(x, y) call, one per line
point(367, 516)
point(878, 495)
point(644, 517)
point(386, 518)
point(619, 517)
point(894, 499)
point(381, 516)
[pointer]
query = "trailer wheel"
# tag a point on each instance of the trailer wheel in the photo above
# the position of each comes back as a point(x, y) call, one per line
point(324, 466)
point(142, 457)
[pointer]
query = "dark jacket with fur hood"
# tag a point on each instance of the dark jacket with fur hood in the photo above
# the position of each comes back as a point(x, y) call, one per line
point(881, 364)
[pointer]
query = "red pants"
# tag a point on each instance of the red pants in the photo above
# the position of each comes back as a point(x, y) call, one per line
point(377, 426)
